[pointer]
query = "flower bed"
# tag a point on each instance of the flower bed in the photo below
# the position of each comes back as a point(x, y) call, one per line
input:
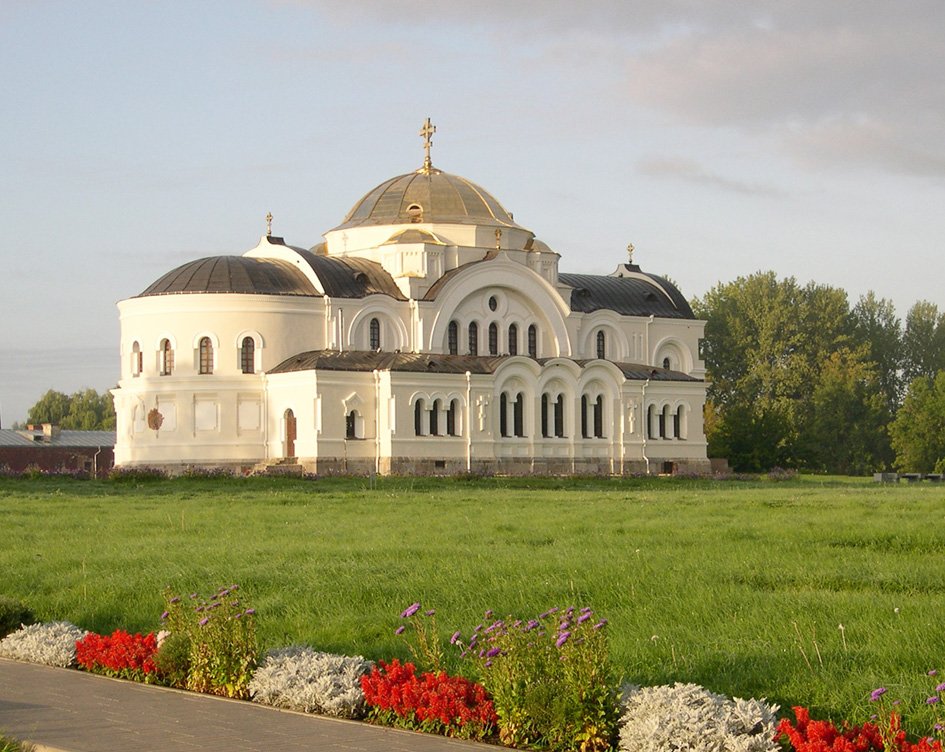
point(543, 683)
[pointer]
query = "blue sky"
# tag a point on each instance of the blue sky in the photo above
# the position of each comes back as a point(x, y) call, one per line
point(720, 138)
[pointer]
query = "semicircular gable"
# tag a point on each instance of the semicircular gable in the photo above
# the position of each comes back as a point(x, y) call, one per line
point(499, 272)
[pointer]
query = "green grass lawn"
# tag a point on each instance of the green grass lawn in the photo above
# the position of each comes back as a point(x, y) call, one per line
point(738, 586)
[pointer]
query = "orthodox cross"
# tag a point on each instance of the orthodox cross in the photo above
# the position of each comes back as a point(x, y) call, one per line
point(268, 224)
point(427, 132)
point(498, 239)
point(630, 252)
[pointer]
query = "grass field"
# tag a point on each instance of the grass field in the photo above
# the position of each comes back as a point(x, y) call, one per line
point(738, 586)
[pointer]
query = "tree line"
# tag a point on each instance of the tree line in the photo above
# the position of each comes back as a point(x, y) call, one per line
point(799, 378)
point(85, 410)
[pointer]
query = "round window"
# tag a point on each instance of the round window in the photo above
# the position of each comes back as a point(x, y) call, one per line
point(493, 303)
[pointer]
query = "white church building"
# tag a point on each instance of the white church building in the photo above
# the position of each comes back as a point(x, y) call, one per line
point(428, 334)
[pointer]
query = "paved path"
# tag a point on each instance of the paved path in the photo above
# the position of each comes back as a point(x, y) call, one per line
point(62, 710)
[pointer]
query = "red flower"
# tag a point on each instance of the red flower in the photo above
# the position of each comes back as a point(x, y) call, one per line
point(121, 654)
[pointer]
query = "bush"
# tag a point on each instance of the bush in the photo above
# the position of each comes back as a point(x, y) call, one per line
point(550, 680)
point(303, 679)
point(172, 659)
point(136, 474)
point(51, 643)
point(221, 637)
point(13, 615)
point(824, 736)
point(12, 745)
point(686, 716)
point(122, 654)
point(435, 703)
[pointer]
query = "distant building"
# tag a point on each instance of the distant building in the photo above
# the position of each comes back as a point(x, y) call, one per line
point(52, 449)
point(429, 333)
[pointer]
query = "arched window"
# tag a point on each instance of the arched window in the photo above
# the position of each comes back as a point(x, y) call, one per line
point(473, 338)
point(601, 345)
point(452, 338)
point(206, 355)
point(599, 417)
point(418, 418)
point(513, 339)
point(137, 359)
point(651, 429)
point(452, 426)
point(435, 418)
point(375, 332)
point(664, 420)
point(248, 355)
point(503, 415)
point(532, 341)
point(559, 417)
point(352, 420)
point(544, 416)
point(493, 339)
point(584, 434)
point(167, 358)
point(677, 423)
point(666, 363)
point(519, 415)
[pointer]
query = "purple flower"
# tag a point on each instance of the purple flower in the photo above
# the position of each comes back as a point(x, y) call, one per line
point(493, 652)
point(238, 616)
point(235, 603)
point(455, 637)
point(488, 614)
point(234, 587)
point(198, 609)
point(932, 672)
point(250, 611)
point(897, 702)
point(482, 653)
point(531, 625)
point(932, 700)
point(939, 727)
point(193, 596)
point(584, 617)
point(204, 621)
point(586, 610)
point(175, 599)
point(940, 687)
point(563, 626)
point(600, 624)
point(488, 664)
point(430, 612)
point(400, 630)
point(164, 615)
point(410, 610)
point(562, 638)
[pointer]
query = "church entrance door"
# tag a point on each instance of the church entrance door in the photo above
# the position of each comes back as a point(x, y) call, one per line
point(289, 433)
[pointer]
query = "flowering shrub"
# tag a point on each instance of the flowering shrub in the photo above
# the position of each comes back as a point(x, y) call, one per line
point(219, 638)
point(303, 679)
point(427, 652)
point(121, 654)
point(50, 643)
point(438, 703)
point(824, 736)
point(549, 678)
point(686, 716)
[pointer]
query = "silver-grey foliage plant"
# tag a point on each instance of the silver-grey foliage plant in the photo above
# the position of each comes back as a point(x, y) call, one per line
point(303, 679)
point(51, 643)
point(690, 718)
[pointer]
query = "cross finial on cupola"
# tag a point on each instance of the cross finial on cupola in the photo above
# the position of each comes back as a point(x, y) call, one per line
point(427, 132)
point(268, 224)
point(630, 253)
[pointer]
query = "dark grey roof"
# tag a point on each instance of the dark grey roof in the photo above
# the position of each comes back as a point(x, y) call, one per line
point(351, 277)
point(66, 438)
point(630, 296)
point(360, 360)
point(447, 276)
point(233, 274)
point(442, 196)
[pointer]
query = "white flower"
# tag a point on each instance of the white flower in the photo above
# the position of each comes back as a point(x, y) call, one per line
point(51, 643)
point(688, 717)
point(303, 679)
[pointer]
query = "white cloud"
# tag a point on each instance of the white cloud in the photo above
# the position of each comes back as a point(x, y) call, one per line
point(691, 171)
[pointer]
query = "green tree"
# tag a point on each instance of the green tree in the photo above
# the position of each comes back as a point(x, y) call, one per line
point(766, 340)
point(52, 407)
point(85, 410)
point(923, 341)
point(876, 327)
point(846, 429)
point(918, 432)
